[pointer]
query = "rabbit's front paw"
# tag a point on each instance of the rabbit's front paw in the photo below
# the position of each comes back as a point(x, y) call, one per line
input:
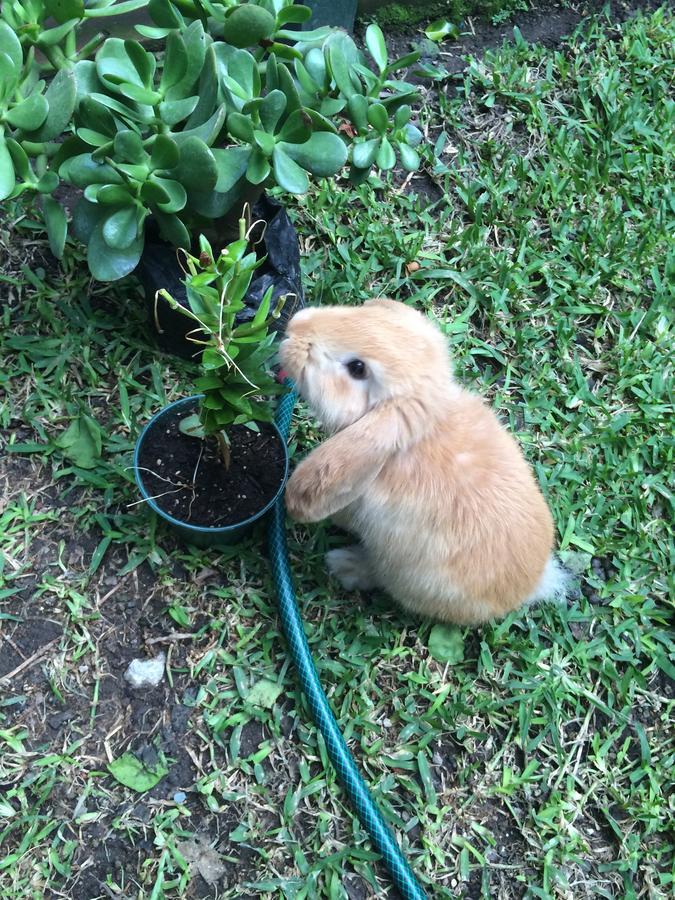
point(303, 493)
point(351, 567)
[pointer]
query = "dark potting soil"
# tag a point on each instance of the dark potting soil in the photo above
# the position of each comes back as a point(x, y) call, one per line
point(187, 479)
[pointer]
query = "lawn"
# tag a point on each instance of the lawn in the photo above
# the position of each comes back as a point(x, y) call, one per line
point(540, 236)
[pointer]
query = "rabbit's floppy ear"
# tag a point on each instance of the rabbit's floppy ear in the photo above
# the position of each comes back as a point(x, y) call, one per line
point(340, 469)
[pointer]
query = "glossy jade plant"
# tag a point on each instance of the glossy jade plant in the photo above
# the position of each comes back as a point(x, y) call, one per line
point(237, 383)
point(38, 41)
point(235, 102)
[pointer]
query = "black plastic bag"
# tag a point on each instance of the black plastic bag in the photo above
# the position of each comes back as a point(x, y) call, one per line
point(159, 268)
point(340, 13)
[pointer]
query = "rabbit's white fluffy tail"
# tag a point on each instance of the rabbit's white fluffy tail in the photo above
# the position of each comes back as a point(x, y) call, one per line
point(557, 584)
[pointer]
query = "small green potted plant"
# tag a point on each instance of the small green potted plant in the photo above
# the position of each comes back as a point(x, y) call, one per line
point(212, 465)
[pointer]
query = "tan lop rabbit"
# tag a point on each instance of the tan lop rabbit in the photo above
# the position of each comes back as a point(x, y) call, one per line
point(450, 519)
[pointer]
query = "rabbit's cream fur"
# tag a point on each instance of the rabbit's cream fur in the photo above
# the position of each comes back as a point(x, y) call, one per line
point(451, 521)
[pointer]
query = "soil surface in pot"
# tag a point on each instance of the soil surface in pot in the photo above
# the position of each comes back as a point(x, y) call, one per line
point(187, 479)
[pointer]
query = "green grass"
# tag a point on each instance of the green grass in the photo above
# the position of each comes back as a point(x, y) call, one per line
point(540, 765)
point(402, 17)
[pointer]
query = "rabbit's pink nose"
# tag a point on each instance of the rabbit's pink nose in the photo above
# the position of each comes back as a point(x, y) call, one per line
point(282, 375)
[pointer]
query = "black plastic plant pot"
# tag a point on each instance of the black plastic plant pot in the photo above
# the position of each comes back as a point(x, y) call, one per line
point(277, 243)
point(192, 532)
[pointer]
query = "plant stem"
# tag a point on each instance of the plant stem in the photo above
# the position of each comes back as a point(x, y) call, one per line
point(55, 56)
point(91, 45)
point(224, 447)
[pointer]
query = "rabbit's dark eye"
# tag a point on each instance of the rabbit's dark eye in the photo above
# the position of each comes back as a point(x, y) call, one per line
point(357, 369)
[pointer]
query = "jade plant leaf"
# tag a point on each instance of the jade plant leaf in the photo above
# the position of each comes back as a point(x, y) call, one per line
point(11, 46)
point(247, 25)
point(154, 193)
point(165, 14)
point(87, 81)
point(240, 127)
point(7, 176)
point(288, 86)
point(22, 165)
point(114, 194)
point(29, 114)
point(294, 15)
point(57, 225)
point(149, 31)
point(386, 158)
point(195, 42)
point(315, 63)
point(363, 154)
point(133, 773)
point(114, 66)
point(114, 9)
point(288, 173)
point(128, 146)
point(341, 60)
point(207, 131)
point(174, 111)
point(175, 61)
point(196, 167)
point(297, 128)
point(323, 154)
point(258, 168)
point(378, 117)
point(231, 163)
point(413, 135)
point(165, 153)
point(357, 107)
point(86, 216)
point(172, 229)
point(376, 46)
point(446, 644)
point(265, 142)
point(63, 10)
point(243, 75)
point(176, 193)
point(207, 91)
point(8, 77)
point(142, 61)
point(272, 109)
point(141, 95)
point(93, 138)
point(51, 36)
point(61, 96)
point(410, 159)
point(110, 264)
point(48, 183)
point(120, 229)
point(82, 170)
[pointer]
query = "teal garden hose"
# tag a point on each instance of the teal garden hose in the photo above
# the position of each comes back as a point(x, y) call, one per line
point(368, 813)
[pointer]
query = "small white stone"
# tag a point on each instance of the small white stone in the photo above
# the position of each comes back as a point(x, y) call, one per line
point(142, 673)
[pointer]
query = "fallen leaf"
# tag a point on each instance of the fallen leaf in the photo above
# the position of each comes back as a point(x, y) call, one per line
point(130, 771)
point(264, 693)
point(440, 29)
point(347, 128)
point(81, 442)
point(200, 855)
point(446, 644)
